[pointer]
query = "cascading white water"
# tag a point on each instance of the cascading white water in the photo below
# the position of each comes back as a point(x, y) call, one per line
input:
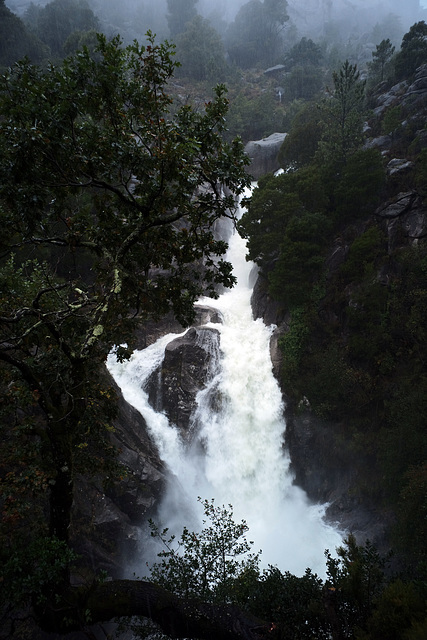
point(237, 454)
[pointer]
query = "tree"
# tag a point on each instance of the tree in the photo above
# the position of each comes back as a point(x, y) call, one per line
point(358, 192)
point(300, 145)
point(295, 604)
point(107, 205)
point(255, 36)
point(304, 78)
point(205, 564)
point(264, 223)
point(254, 116)
point(413, 50)
point(381, 57)
point(301, 258)
point(274, 205)
point(302, 82)
point(55, 22)
point(201, 52)
point(305, 52)
point(79, 39)
point(354, 579)
point(16, 41)
point(180, 13)
point(343, 115)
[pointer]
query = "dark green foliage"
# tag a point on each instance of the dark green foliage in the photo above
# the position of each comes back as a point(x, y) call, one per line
point(355, 349)
point(367, 321)
point(55, 22)
point(274, 203)
point(355, 578)
point(304, 78)
point(300, 145)
point(205, 564)
point(254, 116)
point(266, 219)
point(399, 613)
point(303, 82)
point(361, 185)
point(333, 386)
point(350, 603)
point(305, 52)
point(301, 258)
point(381, 59)
point(78, 40)
point(180, 13)
point(413, 51)
point(102, 221)
point(392, 120)
point(287, 230)
point(200, 51)
point(33, 569)
point(343, 116)
point(412, 507)
point(16, 41)
point(294, 604)
point(255, 36)
point(362, 255)
point(293, 345)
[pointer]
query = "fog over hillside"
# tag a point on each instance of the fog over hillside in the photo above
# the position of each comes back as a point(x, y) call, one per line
point(312, 18)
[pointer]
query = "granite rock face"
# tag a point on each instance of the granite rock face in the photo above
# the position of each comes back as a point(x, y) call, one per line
point(186, 368)
point(263, 154)
point(404, 219)
point(107, 517)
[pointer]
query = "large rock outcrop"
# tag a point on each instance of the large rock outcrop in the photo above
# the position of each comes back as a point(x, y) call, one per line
point(263, 154)
point(107, 516)
point(327, 467)
point(404, 219)
point(186, 368)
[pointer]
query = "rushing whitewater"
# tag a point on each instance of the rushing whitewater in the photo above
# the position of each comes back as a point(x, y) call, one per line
point(237, 453)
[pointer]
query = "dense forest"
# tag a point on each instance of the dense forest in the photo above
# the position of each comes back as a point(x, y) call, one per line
point(104, 146)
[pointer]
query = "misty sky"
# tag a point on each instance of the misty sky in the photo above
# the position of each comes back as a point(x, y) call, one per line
point(308, 16)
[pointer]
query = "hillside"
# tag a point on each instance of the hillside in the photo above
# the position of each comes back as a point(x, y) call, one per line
point(343, 261)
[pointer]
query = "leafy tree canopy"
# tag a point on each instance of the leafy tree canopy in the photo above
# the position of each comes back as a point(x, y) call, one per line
point(300, 145)
point(205, 564)
point(305, 52)
point(107, 203)
point(16, 41)
point(200, 51)
point(413, 50)
point(342, 115)
point(255, 36)
point(55, 22)
point(180, 13)
point(381, 58)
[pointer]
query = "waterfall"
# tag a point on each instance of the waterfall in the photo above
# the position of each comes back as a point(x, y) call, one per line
point(237, 453)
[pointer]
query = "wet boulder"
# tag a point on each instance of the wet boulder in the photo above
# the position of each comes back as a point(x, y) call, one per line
point(264, 154)
point(188, 365)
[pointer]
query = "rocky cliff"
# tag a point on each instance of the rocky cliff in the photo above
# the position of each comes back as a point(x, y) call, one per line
point(107, 516)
